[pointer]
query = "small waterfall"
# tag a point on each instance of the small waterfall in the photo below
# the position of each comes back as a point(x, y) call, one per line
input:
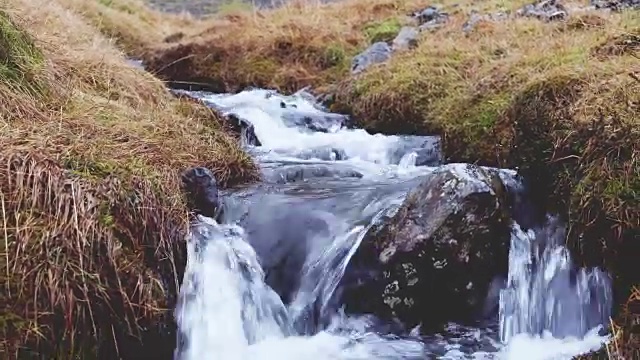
point(224, 303)
point(227, 312)
point(545, 292)
point(324, 186)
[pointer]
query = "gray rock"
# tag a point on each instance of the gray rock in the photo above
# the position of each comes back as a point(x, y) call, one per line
point(244, 129)
point(430, 18)
point(546, 10)
point(319, 122)
point(435, 260)
point(201, 189)
point(427, 149)
point(476, 18)
point(300, 173)
point(407, 38)
point(376, 53)
point(616, 5)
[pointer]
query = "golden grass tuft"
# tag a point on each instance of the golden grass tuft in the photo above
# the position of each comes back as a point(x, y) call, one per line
point(90, 269)
point(625, 341)
point(93, 220)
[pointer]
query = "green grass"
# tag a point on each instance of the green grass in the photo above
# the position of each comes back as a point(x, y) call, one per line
point(20, 59)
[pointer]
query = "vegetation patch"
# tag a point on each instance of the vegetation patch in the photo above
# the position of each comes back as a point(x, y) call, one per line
point(385, 30)
point(93, 219)
point(531, 95)
point(299, 44)
point(134, 26)
point(20, 60)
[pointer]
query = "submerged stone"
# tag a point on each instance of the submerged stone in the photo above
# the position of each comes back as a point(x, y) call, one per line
point(320, 122)
point(201, 189)
point(434, 261)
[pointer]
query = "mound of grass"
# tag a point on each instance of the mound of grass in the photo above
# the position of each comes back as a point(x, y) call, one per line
point(299, 44)
point(560, 101)
point(93, 220)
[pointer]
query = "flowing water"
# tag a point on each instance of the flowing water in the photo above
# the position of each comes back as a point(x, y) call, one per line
point(261, 279)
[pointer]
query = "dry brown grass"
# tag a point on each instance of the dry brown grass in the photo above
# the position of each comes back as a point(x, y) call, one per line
point(92, 216)
point(625, 340)
point(299, 44)
point(135, 26)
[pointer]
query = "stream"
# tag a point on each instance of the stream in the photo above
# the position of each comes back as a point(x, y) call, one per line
point(263, 279)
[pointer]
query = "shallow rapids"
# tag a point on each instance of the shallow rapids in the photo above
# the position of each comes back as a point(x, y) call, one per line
point(261, 280)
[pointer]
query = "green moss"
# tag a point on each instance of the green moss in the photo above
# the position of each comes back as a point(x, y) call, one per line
point(233, 6)
point(90, 170)
point(385, 30)
point(334, 55)
point(20, 59)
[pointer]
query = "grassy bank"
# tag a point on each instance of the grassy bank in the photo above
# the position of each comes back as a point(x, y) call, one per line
point(299, 44)
point(560, 101)
point(92, 217)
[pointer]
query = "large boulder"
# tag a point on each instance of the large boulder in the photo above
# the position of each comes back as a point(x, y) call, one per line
point(435, 259)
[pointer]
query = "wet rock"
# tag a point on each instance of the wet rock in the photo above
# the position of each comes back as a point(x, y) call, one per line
point(616, 5)
point(245, 129)
point(298, 173)
point(201, 189)
point(323, 153)
point(320, 122)
point(427, 149)
point(407, 38)
point(546, 10)
point(475, 18)
point(430, 18)
point(376, 53)
point(434, 261)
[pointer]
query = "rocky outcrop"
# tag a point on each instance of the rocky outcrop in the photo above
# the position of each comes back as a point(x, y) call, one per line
point(435, 259)
point(546, 10)
point(427, 19)
point(407, 38)
point(616, 5)
point(476, 18)
point(430, 18)
point(377, 53)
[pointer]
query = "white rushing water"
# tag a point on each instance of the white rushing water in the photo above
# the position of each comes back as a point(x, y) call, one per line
point(548, 309)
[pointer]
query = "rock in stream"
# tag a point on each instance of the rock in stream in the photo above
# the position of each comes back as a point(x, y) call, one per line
point(201, 189)
point(435, 259)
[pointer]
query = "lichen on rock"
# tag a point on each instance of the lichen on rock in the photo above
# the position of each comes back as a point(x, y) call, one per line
point(435, 259)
